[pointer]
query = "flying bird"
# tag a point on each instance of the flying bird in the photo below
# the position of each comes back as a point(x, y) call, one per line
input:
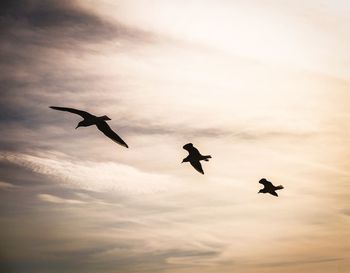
point(269, 187)
point(194, 157)
point(90, 119)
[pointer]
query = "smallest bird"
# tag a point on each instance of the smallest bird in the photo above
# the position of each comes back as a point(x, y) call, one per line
point(269, 187)
point(194, 157)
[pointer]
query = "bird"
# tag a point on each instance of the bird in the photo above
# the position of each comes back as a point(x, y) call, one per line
point(90, 119)
point(194, 157)
point(269, 187)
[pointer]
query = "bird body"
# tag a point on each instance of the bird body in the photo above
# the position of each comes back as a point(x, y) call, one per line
point(194, 157)
point(269, 187)
point(90, 120)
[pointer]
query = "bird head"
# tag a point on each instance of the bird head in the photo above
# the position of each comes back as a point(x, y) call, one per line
point(187, 146)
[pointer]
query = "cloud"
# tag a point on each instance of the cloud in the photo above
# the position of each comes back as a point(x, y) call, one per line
point(6, 185)
point(93, 176)
point(300, 262)
point(58, 200)
point(59, 24)
point(204, 258)
point(345, 212)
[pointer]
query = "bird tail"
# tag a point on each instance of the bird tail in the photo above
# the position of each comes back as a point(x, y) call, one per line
point(105, 118)
point(280, 187)
point(205, 157)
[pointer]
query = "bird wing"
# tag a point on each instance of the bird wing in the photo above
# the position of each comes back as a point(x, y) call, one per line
point(104, 128)
point(193, 151)
point(274, 193)
point(83, 114)
point(266, 183)
point(198, 166)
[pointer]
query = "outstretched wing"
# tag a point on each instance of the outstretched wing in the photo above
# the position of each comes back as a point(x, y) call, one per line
point(83, 114)
point(266, 183)
point(104, 128)
point(274, 193)
point(192, 151)
point(198, 166)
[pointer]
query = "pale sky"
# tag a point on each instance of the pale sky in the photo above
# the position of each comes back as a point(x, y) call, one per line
point(261, 86)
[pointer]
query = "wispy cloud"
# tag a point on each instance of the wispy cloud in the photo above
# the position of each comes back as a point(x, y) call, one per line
point(6, 185)
point(58, 200)
point(300, 262)
point(104, 176)
point(60, 24)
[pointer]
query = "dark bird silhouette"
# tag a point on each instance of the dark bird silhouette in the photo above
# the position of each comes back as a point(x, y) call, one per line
point(194, 157)
point(90, 119)
point(269, 187)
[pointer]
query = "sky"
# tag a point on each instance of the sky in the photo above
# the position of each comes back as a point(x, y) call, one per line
point(261, 86)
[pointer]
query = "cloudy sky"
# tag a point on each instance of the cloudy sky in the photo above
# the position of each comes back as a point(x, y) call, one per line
point(262, 86)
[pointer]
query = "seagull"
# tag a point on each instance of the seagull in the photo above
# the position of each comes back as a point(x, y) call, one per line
point(269, 187)
point(194, 157)
point(90, 119)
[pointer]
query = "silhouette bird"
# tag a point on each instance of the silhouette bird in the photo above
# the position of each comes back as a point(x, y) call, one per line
point(90, 119)
point(194, 157)
point(269, 187)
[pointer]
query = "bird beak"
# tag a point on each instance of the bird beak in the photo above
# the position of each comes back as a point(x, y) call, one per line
point(77, 127)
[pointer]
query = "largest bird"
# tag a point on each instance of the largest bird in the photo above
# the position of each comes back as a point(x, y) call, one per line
point(90, 119)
